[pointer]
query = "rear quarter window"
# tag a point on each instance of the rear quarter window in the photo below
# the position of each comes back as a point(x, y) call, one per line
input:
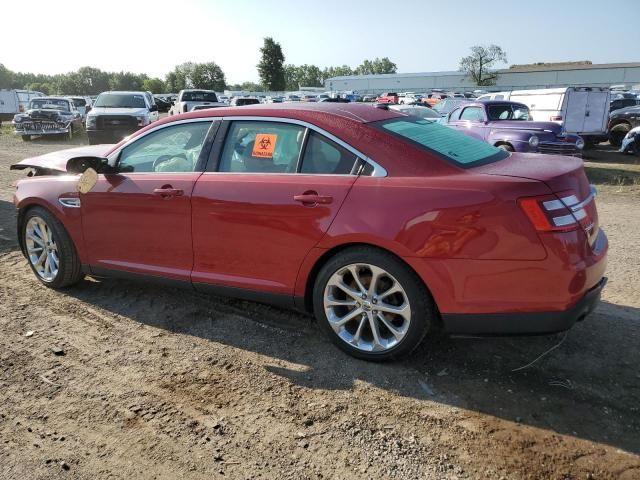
point(446, 143)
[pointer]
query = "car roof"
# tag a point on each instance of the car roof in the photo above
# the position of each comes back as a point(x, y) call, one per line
point(316, 113)
point(494, 102)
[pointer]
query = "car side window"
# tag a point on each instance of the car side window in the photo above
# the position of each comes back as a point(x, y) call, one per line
point(455, 115)
point(323, 156)
point(474, 114)
point(262, 147)
point(171, 149)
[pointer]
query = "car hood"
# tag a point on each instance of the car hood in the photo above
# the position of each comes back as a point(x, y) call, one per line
point(57, 161)
point(624, 111)
point(118, 111)
point(525, 125)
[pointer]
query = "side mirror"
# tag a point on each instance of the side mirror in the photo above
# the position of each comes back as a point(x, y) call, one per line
point(81, 164)
point(153, 108)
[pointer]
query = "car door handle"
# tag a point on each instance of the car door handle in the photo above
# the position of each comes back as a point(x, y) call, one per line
point(166, 192)
point(312, 198)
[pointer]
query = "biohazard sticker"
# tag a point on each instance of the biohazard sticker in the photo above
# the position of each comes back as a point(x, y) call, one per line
point(264, 145)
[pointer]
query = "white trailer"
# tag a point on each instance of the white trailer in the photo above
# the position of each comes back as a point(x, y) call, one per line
point(15, 101)
point(580, 110)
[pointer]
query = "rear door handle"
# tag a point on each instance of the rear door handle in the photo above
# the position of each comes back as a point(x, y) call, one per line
point(167, 192)
point(310, 199)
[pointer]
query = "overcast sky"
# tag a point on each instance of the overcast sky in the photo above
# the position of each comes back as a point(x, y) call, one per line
point(52, 36)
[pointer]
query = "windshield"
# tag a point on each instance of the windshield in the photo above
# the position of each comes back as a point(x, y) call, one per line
point(199, 96)
point(50, 103)
point(508, 112)
point(120, 100)
point(79, 102)
point(448, 144)
point(447, 105)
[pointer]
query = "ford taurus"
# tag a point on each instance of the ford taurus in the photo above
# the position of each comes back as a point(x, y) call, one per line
point(384, 225)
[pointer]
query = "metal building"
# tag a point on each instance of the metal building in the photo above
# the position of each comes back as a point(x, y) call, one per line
point(518, 77)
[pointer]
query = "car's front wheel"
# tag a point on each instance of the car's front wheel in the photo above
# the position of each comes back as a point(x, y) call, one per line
point(50, 251)
point(371, 304)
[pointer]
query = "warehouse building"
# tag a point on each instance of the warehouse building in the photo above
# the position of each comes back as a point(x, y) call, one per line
point(520, 77)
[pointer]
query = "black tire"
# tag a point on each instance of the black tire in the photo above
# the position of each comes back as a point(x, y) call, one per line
point(617, 134)
point(26, 138)
point(423, 310)
point(69, 268)
point(506, 147)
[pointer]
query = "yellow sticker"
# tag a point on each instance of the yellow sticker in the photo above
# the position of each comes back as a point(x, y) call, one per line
point(87, 180)
point(264, 145)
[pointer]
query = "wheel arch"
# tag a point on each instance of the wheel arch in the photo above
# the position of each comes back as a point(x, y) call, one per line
point(331, 252)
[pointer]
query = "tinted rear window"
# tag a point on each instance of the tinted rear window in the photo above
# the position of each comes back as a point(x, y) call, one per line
point(199, 96)
point(445, 142)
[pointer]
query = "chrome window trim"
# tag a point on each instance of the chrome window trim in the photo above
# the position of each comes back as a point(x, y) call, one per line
point(378, 170)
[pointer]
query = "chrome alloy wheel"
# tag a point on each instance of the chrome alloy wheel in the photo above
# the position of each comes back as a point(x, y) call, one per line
point(42, 249)
point(367, 307)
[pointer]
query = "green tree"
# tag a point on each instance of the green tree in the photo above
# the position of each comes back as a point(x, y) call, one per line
point(126, 81)
point(208, 76)
point(6, 77)
point(479, 64)
point(376, 66)
point(271, 66)
point(341, 71)
point(153, 85)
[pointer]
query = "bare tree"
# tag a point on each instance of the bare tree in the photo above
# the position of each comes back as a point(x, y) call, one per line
point(479, 64)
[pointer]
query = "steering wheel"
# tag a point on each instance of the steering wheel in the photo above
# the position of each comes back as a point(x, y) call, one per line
point(164, 158)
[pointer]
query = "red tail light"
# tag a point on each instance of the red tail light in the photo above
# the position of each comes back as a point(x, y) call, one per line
point(562, 212)
point(556, 118)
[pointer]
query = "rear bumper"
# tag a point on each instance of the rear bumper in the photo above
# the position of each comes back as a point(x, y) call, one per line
point(530, 323)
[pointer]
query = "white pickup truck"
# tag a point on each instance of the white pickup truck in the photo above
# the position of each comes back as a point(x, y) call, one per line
point(187, 99)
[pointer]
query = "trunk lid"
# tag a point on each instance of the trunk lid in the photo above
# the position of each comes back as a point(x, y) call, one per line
point(564, 176)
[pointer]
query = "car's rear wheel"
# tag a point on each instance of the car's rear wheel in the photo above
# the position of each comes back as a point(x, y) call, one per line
point(371, 304)
point(50, 251)
point(617, 134)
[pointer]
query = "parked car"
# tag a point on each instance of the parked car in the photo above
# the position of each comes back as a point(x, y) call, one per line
point(82, 105)
point(369, 98)
point(410, 98)
point(508, 125)
point(15, 101)
point(274, 99)
point(48, 116)
point(621, 122)
point(631, 142)
point(333, 100)
point(291, 98)
point(446, 106)
point(190, 97)
point(388, 97)
point(242, 101)
point(420, 111)
point(383, 225)
point(624, 102)
point(116, 115)
point(195, 108)
point(163, 104)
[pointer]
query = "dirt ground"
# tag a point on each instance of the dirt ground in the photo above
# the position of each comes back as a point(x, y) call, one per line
point(159, 383)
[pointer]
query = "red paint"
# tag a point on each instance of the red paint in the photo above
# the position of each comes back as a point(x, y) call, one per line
point(462, 231)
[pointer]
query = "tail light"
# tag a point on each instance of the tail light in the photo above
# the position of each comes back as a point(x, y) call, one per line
point(556, 118)
point(562, 212)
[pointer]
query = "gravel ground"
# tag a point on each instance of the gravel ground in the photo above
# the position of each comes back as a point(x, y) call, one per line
point(128, 380)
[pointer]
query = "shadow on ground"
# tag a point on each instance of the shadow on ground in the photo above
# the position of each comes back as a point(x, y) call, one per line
point(586, 388)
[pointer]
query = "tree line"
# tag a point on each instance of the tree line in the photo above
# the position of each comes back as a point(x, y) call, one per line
point(275, 75)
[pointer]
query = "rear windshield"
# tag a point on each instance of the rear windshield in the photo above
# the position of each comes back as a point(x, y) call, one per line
point(199, 97)
point(120, 100)
point(445, 142)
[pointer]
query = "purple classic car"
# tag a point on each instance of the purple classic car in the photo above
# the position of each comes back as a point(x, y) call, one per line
point(507, 125)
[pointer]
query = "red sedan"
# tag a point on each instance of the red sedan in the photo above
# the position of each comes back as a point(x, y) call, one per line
point(383, 225)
